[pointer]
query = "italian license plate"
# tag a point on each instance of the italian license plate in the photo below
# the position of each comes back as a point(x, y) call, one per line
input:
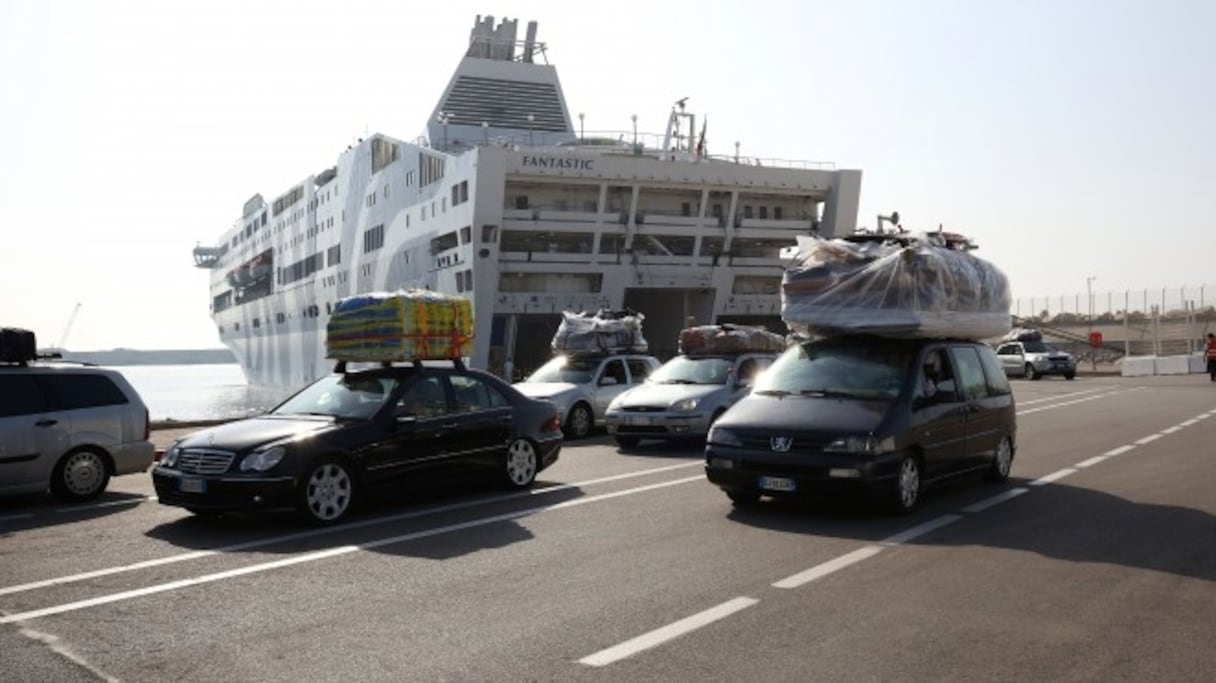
point(776, 484)
point(192, 485)
point(639, 419)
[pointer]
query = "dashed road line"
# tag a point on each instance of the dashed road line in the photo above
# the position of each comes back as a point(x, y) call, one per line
point(1148, 439)
point(831, 566)
point(1053, 477)
point(667, 633)
point(995, 500)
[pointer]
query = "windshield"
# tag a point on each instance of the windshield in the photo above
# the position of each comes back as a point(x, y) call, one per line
point(870, 369)
point(693, 370)
point(1036, 347)
point(340, 396)
point(565, 369)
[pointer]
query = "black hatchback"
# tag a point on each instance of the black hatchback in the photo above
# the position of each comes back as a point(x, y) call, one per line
point(866, 416)
point(352, 432)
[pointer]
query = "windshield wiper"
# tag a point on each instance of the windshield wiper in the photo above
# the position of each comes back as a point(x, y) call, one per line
point(678, 381)
point(773, 392)
point(826, 393)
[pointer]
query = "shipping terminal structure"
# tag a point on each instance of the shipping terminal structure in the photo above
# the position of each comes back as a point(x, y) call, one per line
point(506, 201)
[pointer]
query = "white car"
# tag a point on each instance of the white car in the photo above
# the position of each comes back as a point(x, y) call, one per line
point(582, 386)
point(68, 428)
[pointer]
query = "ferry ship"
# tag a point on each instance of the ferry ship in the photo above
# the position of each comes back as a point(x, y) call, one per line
point(505, 201)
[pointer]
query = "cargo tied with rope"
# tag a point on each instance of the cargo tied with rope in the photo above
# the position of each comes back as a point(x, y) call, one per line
point(400, 326)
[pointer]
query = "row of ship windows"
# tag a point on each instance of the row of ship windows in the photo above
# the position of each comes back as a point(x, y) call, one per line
point(686, 208)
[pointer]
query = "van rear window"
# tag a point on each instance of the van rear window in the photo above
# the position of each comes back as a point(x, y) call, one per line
point(71, 391)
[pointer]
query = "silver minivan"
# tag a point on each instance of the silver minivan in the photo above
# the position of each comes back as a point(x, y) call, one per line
point(69, 428)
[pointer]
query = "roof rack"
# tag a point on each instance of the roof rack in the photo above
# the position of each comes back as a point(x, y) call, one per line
point(417, 363)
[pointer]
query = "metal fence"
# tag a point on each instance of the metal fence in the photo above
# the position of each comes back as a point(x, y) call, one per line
point(1112, 305)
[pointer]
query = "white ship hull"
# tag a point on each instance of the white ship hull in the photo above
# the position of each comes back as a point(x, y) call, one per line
point(523, 215)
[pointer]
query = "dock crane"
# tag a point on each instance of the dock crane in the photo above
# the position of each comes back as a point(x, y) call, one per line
point(68, 328)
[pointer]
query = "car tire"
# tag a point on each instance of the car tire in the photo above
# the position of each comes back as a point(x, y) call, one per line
point(80, 475)
point(907, 488)
point(521, 464)
point(743, 498)
point(579, 422)
point(1002, 461)
point(1070, 375)
point(1031, 373)
point(627, 441)
point(327, 491)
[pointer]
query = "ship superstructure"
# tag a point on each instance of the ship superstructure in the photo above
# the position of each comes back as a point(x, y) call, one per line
point(504, 201)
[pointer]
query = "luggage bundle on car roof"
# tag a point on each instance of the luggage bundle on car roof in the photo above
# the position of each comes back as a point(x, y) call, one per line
point(1022, 334)
point(894, 285)
point(17, 345)
point(605, 331)
point(407, 325)
point(728, 338)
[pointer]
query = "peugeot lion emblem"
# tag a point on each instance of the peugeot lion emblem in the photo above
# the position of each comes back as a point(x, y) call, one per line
point(781, 444)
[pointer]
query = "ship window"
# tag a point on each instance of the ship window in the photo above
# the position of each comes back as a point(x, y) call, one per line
point(444, 242)
point(489, 234)
point(236, 326)
point(466, 234)
point(443, 206)
point(460, 283)
point(334, 256)
point(521, 201)
point(685, 209)
point(373, 239)
point(776, 213)
point(280, 318)
point(468, 280)
point(747, 211)
point(386, 191)
point(764, 213)
point(257, 322)
point(464, 191)
point(455, 195)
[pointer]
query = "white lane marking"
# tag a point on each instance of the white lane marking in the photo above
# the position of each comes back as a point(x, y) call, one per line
point(999, 498)
point(1054, 476)
point(1093, 461)
point(1069, 403)
point(669, 632)
point(20, 515)
point(332, 552)
point(1061, 396)
point(1148, 439)
point(272, 540)
point(1120, 450)
point(1187, 423)
point(821, 570)
point(1171, 430)
point(1202, 416)
point(113, 503)
point(920, 530)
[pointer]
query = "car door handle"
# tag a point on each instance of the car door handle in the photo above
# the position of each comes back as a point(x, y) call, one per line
point(47, 422)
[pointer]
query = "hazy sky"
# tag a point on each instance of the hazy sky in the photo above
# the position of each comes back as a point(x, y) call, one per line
point(1069, 138)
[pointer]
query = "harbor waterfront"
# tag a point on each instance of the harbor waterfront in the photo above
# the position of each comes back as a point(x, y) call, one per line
point(198, 393)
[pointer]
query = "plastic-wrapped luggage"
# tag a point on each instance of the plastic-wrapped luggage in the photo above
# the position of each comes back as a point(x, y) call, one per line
point(728, 338)
point(605, 331)
point(1023, 334)
point(899, 285)
point(400, 326)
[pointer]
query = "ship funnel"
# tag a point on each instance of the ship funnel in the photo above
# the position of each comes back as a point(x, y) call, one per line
point(530, 42)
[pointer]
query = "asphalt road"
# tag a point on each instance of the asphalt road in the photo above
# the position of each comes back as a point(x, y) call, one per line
point(1096, 561)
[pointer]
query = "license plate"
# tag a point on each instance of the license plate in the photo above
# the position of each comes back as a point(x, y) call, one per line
point(639, 420)
point(191, 485)
point(776, 484)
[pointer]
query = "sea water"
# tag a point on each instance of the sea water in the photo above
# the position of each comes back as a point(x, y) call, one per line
point(199, 392)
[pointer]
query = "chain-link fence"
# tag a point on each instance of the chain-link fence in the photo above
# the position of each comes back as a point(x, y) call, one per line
point(1111, 304)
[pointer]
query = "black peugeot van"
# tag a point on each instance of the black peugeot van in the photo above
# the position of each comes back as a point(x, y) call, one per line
point(864, 415)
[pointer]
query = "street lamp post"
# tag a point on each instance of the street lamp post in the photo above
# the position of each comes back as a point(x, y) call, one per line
point(635, 131)
point(485, 132)
point(1089, 292)
point(531, 120)
point(580, 126)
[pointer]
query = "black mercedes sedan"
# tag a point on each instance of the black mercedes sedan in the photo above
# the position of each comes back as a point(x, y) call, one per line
point(866, 416)
point(350, 433)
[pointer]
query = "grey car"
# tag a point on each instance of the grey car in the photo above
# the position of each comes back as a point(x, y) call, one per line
point(69, 428)
point(1033, 359)
point(683, 397)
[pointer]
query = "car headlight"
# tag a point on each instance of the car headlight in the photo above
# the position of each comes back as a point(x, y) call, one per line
point(865, 445)
point(685, 406)
point(170, 457)
point(720, 436)
point(260, 461)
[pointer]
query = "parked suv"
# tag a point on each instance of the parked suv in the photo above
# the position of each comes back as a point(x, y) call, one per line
point(866, 416)
point(1033, 359)
point(582, 386)
point(683, 397)
point(68, 428)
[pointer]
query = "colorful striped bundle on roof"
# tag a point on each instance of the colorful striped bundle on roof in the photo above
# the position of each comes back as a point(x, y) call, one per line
point(408, 325)
point(729, 338)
